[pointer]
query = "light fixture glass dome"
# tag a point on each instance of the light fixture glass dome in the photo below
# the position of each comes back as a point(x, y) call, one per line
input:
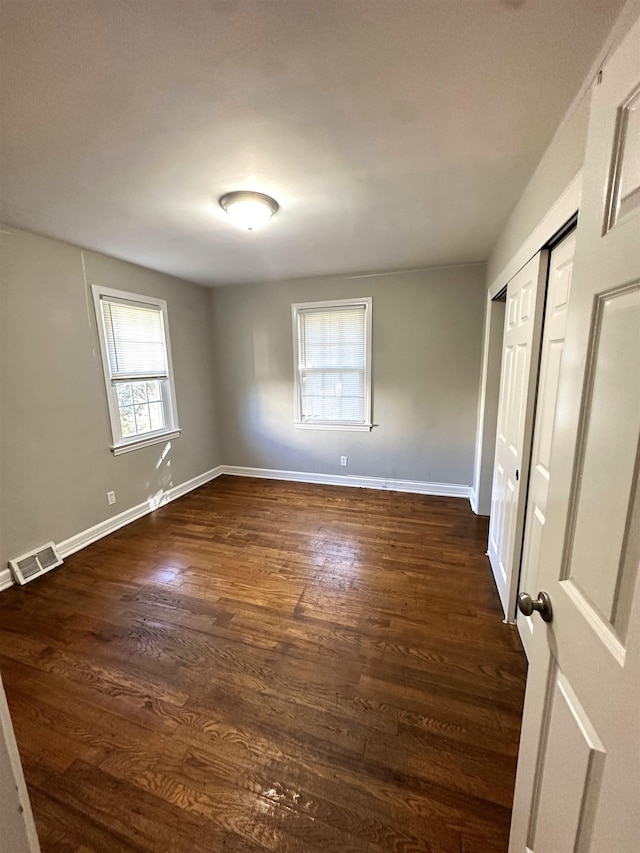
point(249, 210)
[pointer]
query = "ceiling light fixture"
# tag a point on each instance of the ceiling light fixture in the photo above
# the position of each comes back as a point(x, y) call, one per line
point(249, 210)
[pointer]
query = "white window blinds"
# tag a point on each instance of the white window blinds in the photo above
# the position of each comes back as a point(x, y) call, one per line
point(135, 339)
point(136, 358)
point(332, 350)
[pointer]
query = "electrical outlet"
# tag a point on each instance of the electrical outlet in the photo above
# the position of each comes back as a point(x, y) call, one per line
point(343, 460)
point(111, 497)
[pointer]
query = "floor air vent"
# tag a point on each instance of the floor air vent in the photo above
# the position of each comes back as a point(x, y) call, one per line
point(36, 563)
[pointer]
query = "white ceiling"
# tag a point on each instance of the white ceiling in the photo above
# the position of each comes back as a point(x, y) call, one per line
point(394, 133)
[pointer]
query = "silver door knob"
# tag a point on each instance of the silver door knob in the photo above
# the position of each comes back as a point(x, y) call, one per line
point(542, 604)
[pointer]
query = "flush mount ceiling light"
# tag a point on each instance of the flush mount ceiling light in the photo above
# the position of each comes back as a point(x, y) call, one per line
point(249, 210)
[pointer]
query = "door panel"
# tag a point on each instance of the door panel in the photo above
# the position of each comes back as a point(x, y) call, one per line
point(571, 767)
point(524, 301)
point(555, 320)
point(607, 469)
point(578, 772)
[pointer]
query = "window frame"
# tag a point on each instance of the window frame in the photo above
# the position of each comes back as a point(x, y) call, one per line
point(302, 307)
point(171, 429)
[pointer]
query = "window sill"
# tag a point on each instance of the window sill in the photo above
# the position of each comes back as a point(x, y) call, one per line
point(157, 438)
point(344, 427)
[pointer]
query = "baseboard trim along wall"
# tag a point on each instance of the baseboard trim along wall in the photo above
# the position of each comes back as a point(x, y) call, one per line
point(110, 525)
point(6, 579)
point(449, 490)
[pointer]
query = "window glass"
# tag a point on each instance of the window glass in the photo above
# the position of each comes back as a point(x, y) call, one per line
point(332, 343)
point(137, 365)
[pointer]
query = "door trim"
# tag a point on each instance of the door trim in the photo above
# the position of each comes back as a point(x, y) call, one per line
point(562, 211)
point(566, 206)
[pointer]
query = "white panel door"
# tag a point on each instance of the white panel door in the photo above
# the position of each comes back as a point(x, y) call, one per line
point(555, 320)
point(578, 779)
point(518, 374)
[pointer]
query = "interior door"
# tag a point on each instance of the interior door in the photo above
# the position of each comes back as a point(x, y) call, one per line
point(518, 375)
point(17, 829)
point(578, 778)
point(555, 321)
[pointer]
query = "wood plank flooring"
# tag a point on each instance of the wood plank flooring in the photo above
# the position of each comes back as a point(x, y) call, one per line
point(268, 666)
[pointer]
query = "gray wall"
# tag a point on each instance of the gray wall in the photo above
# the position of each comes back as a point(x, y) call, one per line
point(427, 331)
point(55, 462)
point(560, 163)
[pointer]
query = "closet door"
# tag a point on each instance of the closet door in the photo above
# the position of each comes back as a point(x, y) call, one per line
point(519, 371)
point(555, 323)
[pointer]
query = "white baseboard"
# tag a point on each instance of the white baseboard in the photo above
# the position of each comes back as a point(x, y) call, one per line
point(450, 490)
point(6, 579)
point(473, 499)
point(104, 528)
point(110, 525)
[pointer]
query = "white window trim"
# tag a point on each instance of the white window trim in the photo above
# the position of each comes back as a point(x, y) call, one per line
point(172, 430)
point(296, 308)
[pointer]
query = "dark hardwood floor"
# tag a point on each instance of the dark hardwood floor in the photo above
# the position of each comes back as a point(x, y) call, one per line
point(268, 666)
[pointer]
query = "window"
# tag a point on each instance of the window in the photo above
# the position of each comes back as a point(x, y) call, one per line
point(136, 356)
point(332, 351)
